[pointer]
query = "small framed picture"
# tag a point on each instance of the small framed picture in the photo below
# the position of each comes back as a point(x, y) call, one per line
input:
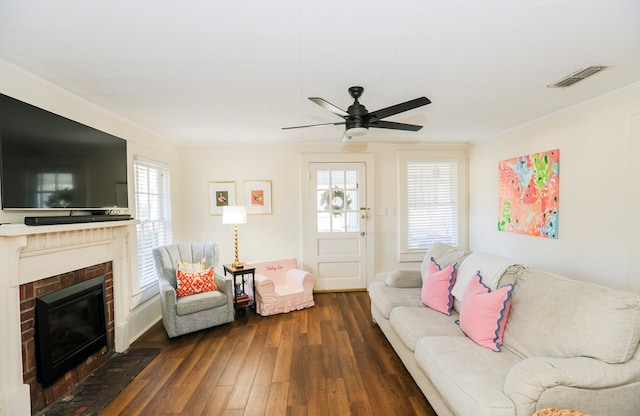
point(257, 197)
point(221, 194)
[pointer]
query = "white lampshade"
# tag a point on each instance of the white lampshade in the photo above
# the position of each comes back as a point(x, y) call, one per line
point(357, 131)
point(234, 214)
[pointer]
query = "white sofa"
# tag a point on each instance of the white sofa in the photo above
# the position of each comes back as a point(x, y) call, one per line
point(567, 344)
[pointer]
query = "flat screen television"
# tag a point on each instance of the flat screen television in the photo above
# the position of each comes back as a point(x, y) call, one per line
point(49, 162)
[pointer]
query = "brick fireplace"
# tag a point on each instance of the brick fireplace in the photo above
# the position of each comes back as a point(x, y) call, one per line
point(38, 260)
point(44, 396)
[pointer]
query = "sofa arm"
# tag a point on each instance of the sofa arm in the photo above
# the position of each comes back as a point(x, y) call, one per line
point(168, 295)
point(404, 278)
point(263, 284)
point(301, 279)
point(225, 285)
point(527, 381)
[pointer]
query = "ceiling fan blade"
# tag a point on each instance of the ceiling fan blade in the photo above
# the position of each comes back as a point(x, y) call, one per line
point(396, 126)
point(345, 137)
point(328, 106)
point(399, 108)
point(313, 125)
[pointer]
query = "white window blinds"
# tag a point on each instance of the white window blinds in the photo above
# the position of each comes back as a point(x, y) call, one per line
point(432, 203)
point(153, 211)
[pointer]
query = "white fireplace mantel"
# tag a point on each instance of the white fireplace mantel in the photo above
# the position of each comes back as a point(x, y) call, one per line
point(31, 253)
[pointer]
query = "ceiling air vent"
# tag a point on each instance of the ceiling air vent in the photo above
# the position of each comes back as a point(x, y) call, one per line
point(579, 75)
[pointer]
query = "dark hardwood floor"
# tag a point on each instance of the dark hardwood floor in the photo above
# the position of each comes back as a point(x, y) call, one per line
point(326, 360)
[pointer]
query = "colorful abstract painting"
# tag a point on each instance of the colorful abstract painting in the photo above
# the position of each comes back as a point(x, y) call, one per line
point(529, 188)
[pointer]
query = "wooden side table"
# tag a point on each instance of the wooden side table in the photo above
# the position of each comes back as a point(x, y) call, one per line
point(241, 299)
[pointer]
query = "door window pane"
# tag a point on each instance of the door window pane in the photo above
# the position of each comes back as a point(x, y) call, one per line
point(337, 200)
point(322, 179)
point(324, 222)
point(353, 222)
point(351, 179)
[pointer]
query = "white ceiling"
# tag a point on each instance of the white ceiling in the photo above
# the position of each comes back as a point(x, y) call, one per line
point(205, 71)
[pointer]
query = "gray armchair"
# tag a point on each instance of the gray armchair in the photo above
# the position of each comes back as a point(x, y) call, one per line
point(198, 311)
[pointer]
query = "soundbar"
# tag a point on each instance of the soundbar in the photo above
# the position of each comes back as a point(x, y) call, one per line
point(74, 219)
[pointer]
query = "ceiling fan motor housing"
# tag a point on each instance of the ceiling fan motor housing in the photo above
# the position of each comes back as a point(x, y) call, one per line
point(357, 123)
point(358, 116)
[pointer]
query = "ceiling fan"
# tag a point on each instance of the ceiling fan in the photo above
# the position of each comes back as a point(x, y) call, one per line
point(358, 120)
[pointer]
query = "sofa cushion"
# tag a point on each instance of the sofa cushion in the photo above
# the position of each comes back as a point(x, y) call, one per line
point(437, 283)
point(192, 267)
point(384, 298)
point(596, 321)
point(444, 255)
point(493, 267)
point(404, 278)
point(195, 282)
point(414, 322)
point(199, 302)
point(469, 378)
point(484, 314)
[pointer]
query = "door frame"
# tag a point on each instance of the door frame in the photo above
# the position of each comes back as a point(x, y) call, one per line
point(306, 159)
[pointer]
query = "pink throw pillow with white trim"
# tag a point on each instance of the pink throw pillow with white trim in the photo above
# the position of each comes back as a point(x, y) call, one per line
point(436, 286)
point(484, 314)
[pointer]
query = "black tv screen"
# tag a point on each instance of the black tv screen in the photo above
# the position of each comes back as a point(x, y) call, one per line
point(48, 162)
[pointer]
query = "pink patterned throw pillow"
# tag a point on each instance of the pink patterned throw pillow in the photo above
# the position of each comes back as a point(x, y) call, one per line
point(484, 314)
point(190, 283)
point(436, 287)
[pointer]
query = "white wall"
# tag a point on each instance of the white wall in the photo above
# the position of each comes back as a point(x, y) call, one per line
point(599, 191)
point(263, 236)
point(279, 234)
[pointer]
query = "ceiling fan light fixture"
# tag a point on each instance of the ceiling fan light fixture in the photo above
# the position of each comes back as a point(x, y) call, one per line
point(357, 131)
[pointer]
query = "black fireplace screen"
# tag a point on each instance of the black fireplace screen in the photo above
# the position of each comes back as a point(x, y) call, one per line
point(70, 326)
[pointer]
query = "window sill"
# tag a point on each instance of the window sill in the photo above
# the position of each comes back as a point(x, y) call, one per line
point(411, 256)
point(144, 295)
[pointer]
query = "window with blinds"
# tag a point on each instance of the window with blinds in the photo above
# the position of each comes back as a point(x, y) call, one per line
point(153, 211)
point(432, 203)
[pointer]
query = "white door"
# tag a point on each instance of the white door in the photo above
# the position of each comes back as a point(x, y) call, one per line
point(336, 220)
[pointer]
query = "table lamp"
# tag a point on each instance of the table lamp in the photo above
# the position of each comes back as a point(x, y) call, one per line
point(235, 214)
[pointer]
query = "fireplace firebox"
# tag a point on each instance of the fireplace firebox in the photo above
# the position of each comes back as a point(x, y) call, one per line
point(70, 326)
